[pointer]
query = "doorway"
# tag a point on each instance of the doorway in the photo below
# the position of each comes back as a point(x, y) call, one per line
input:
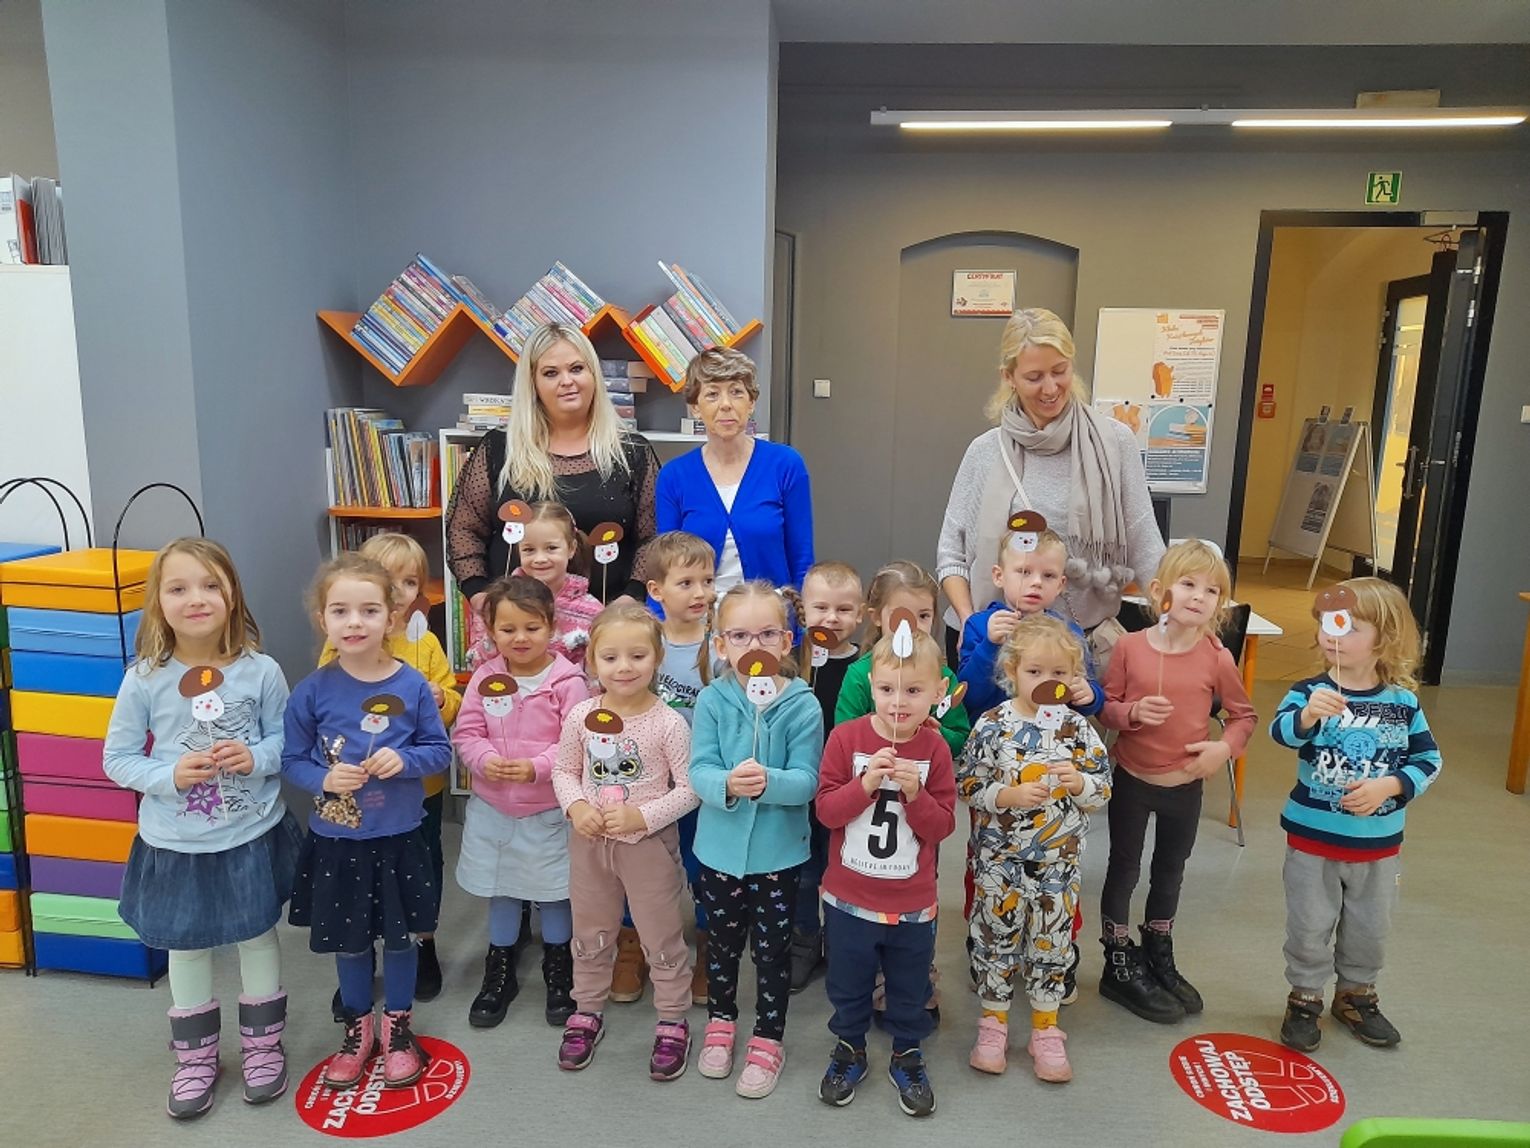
point(1371, 319)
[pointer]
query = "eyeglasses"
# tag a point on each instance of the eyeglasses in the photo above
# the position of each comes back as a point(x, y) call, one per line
point(743, 637)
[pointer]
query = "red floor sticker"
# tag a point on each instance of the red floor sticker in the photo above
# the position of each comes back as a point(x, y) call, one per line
point(1256, 1082)
point(369, 1109)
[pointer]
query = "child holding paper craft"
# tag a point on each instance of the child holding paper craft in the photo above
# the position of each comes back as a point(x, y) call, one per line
point(833, 605)
point(683, 572)
point(754, 764)
point(621, 778)
point(1364, 754)
point(514, 836)
point(367, 876)
point(1028, 571)
point(1162, 759)
point(216, 849)
point(411, 642)
point(887, 793)
point(1030, 799)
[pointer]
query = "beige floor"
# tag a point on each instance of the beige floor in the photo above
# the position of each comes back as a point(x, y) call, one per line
point(1282, 597)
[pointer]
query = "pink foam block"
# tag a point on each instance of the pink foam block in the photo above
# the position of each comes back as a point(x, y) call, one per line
point(49, 755)
point(104, 802)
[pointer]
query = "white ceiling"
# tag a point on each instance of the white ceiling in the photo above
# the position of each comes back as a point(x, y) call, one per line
point(1154, 21)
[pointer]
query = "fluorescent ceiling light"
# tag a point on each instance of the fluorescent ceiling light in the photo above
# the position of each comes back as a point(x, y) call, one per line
point(1037, 125)
point(1370, 121)
point(1157, 119)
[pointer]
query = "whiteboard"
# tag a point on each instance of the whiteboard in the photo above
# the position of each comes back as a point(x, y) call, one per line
point(1155, 369)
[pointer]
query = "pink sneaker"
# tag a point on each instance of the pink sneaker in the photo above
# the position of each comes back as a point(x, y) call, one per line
point(404, 1060)
point(580, 1036)
point(347, 1066)
point(1046, 1049)
point(671, 1049)
point(763, 1061)
point(716, 1059)
point(989, 1054)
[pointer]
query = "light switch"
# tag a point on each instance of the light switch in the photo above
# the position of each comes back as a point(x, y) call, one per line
point(820, 388)
point(1524, 414)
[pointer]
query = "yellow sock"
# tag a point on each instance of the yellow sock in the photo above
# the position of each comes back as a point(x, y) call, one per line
point(1001, 1017)
point(1041, 1019)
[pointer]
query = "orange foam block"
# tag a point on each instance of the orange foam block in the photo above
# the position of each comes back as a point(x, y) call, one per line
point(83, 838)
point(77, 580)
point(10, 910)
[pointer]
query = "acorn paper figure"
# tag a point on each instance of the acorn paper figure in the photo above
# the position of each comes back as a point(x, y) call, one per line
point(821, 642)
point(1051, 698)
point(606, 539)
point(514, 514)
point(375, 712)
point(418, 624)
point(950, 701)
point(339, 808)
point(1025, 527)
point(902, 625)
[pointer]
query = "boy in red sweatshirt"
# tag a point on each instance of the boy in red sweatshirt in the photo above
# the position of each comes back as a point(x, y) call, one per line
point(887, 795)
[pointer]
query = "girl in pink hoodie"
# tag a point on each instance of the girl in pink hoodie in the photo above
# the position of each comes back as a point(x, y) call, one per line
point(515, 837)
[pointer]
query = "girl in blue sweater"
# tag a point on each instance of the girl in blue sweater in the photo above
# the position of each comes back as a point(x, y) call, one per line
point(755, 750)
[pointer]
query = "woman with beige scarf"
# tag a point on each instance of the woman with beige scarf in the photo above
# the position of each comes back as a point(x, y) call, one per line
point(1053, 453)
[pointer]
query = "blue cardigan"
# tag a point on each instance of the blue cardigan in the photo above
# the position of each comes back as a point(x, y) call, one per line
point(772, 517)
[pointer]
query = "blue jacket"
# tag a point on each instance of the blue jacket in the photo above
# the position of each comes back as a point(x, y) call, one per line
point(739, 836)
point(977, 664)
point(772, 516)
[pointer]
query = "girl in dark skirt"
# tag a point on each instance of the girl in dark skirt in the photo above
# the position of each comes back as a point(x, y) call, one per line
point(362, 731)
point(216, 849)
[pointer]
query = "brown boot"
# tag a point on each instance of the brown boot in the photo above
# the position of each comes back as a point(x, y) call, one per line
point(699, 973)
point(631, 968)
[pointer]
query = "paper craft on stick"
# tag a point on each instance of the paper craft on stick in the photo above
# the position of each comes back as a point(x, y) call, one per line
point(606, 539)
point(821, 642)
point(498, 693)
point(604, 728)
point(200, 684)
point(375, 712)
point(1025, 527)
point(339, 808)
point(1163, 629)
point(418, 624)
point(950, 701)
point(603, 757)
point(760, 668)
point(902, 623)
point(1051, 698)
point(515, 514)
point(1335, 609)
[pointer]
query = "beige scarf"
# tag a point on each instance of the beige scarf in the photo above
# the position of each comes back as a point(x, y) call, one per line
point(1096, 527)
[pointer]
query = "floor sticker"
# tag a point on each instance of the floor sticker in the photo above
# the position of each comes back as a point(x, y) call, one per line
point(1256, 1082)
point(369, 1109)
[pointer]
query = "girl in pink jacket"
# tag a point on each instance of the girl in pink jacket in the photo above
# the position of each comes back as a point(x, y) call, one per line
point(515, 837)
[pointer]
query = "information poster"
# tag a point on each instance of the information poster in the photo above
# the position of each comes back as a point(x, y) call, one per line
point(982, 294)
point(1336, 449)
point(1178, 445)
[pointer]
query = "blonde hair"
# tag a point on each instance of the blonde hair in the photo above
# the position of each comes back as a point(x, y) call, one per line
point(627, 614)
point(527, 466)
point(395, 551)
point(785, 599)
point(1032, 327)
point(156, 640)
point(1045, 540)
point(678, 548)
point(720, 365)
point(1398, 648)
point(1038, 633)
point(1192, 556)
point(835, 574)
point(895, 576)
point(926, 653)
point(348, 565)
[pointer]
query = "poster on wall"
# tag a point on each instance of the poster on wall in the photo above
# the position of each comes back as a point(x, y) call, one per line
point(982, 294)
point(1156, 371)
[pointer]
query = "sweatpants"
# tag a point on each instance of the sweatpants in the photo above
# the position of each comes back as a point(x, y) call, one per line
point(858, 950)
point(1022, 929)
point(647, 873)
point(1178, 809)
point(756, 909)
point(969, 884)
point(1338, 914)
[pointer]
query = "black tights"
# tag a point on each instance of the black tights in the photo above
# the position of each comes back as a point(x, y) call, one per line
point(758, 910)
point(1179, 812)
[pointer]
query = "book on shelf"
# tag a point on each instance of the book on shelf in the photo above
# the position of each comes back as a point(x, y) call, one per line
point(32, 221)
point(482, 412)
point(406, 314)
point(375, 462)
point(690, 321)
point(560, 296)
point(626, 376)
point(474, 299)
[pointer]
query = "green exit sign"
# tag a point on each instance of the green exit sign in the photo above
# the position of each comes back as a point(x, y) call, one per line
point(1383, 187)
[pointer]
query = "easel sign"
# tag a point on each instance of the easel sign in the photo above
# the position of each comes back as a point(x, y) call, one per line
point(1329, 502)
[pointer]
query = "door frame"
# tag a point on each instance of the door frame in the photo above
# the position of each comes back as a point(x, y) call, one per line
point(1495, 226)
point(1411, 287)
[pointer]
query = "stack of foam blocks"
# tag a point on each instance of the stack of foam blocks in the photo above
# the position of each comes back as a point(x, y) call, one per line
point(67, 658)
point(15, 948)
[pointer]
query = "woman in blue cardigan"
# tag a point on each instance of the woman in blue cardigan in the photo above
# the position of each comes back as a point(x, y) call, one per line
point(748, 497)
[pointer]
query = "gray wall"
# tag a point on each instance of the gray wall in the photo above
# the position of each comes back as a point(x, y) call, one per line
point(1155, 225)
point(210, 203)
point(26, 111)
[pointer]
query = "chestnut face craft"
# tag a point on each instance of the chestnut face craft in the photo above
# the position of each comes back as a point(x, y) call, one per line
point(902, 625)
point(376, 711)
point(821, 642)
point(200, 684)
point(498, 693)
point(760, 668)
point(1025, 530)
point(606, 539)
point(950, 701)
point(1051, 698)
point(514, 514)
point(604, 728)
point(418, 624)
point(1335, 610)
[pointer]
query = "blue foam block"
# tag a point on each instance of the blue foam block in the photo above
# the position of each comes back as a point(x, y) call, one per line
point(107, 956)
point(16, 551)
point(71, 631)
point(7, 870)
point(66, 673)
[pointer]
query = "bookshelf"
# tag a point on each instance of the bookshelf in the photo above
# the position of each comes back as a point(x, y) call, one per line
point(455, 447)
point(742, 335)
point(385, 512)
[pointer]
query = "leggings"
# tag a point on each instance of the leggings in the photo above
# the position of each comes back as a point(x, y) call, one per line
point(757, 909)
point(1179, 812)
point(399, 969)
point(260, 971)
point(505, 921)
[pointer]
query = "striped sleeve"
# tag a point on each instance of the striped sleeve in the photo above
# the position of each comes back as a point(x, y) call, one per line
point(1285, 729)
point(1423, 765)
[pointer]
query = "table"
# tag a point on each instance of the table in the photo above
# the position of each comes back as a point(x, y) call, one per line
point(1258, 627)
point(1519, 746)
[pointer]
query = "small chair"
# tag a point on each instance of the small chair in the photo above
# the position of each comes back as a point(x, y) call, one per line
point(1400, 1132)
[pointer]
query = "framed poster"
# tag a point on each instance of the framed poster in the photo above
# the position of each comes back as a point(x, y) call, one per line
point(982, 294)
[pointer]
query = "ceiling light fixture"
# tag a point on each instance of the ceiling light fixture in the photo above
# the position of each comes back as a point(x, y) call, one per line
point(1158, 119)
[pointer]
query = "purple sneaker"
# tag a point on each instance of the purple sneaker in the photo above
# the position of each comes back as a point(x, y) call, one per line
point(580, 1037)
point(671, 1047)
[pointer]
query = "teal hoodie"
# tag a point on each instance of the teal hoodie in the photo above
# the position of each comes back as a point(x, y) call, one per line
point(739, 836)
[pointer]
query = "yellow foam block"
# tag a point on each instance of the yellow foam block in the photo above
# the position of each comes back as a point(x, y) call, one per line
point(76, 580)
point(10, 910)
point(83, 838)
point(67, 715)
point(11, 951)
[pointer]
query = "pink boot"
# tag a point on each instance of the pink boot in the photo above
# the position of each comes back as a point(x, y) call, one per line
point(404, 1060)
point(261, 1022)
point(346, 1068)
point(194, 1040)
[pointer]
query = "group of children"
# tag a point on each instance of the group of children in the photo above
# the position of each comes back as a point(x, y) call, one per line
point(618, 756)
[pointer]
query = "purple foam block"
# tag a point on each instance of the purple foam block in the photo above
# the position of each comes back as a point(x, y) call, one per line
point(82, 878)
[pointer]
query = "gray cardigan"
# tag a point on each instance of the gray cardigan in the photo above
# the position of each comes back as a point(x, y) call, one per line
point(1046, 479)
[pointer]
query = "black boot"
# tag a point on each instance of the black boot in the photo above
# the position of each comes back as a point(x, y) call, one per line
point(1158, 952)
point(427, 981)
point(499, 988)
point(558, 975)
point(1127, 982)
